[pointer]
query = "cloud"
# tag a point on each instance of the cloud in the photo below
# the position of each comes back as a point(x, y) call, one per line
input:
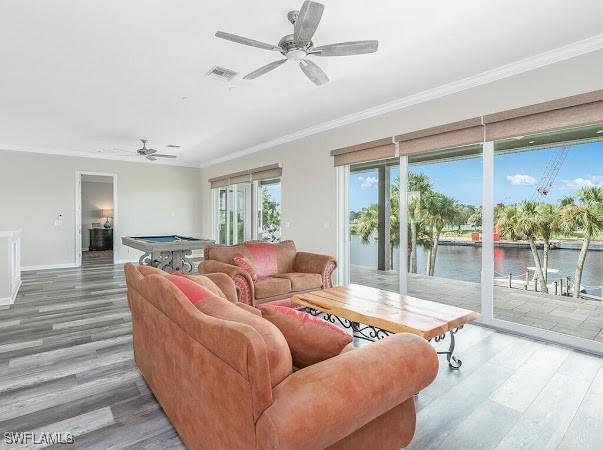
point(368, 182)
point(521, 180)
point(588, 181)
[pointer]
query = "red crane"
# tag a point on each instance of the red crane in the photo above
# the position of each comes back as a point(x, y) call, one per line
point(545, 183)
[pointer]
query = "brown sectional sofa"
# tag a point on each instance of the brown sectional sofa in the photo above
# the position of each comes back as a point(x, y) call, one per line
point(216, 376)
point(283, 271)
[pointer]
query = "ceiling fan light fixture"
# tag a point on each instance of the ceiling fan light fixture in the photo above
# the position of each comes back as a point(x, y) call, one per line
point(296, 54)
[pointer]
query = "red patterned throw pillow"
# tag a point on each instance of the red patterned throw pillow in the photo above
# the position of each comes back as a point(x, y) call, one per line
point(244, 263)
point(311, 339)
point(193, 291)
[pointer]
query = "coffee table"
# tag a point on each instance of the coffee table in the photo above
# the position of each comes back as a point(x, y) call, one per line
point(373, 314)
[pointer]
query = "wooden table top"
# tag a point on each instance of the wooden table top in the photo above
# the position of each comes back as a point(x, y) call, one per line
point(387, 310)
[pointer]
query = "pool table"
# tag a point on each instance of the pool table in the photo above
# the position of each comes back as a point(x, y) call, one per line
point(167, 252)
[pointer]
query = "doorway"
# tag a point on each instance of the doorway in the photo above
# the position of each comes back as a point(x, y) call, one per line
point(96, 206)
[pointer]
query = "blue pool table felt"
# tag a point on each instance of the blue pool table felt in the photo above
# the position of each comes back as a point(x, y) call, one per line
point(165, 239)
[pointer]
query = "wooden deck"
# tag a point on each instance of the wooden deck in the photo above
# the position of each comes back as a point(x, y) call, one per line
point(66, 365)
point(576, 317)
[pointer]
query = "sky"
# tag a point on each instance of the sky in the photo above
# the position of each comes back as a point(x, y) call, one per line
point(516, 176)
point(275, 191)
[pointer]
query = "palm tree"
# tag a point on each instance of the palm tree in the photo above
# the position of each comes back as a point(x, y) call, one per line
point(548, 222)
point(418, 187)
point(515, 222)
point(440, 211)
point(528, 227)
point(587, 217)
point(367, 223)
point(475, 219)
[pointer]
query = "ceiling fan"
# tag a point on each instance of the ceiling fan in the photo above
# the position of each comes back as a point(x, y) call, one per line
point(298, 46)
point(150, 153)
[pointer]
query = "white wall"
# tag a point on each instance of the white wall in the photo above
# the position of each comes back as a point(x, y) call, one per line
point(309, 185)
point(96, 195)
point(36, 188)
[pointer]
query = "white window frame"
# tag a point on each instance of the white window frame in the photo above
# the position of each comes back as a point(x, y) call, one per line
point(252, 219)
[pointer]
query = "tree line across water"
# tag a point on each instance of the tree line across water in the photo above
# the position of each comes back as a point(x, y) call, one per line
point(431, 212)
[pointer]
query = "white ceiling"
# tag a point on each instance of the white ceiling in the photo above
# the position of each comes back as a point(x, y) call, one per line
point(79, 76)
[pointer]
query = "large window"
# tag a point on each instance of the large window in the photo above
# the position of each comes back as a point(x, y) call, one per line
point(246, 211)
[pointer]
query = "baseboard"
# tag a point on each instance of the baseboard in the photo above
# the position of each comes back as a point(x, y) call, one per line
point(10, 300)
point(49, 266)
point(124, 261)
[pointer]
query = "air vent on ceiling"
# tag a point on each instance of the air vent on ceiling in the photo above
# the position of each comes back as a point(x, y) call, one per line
point(221, 73)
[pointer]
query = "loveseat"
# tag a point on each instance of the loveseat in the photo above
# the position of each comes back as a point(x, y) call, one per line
point(225, 379)
point(282, 271)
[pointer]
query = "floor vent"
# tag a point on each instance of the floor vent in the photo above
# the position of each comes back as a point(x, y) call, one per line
point(221, 73)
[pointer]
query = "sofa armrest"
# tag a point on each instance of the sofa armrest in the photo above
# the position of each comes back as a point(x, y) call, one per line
point(346, 392)
point(250, 309)
point(315, 263)
point(241, 278)
point(226, 285)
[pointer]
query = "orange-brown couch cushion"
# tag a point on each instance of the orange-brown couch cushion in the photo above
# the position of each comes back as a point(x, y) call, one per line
point(279, 356)
point(270, 286)
point(302, 281)
point(199, 279)
point(193, 291)
point(311, 339)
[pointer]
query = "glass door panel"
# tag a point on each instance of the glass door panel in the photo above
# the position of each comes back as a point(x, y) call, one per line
point(444, 227)
point(548, 262)
point(374, 224)
point(269, 210)
point(242, 213)
point(221, 216)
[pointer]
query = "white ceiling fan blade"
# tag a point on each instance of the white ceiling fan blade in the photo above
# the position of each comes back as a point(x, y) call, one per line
point(246, 41)
point(307, 22)
point(346, 48)
point(160, 155)
point(264, 69)
point(117, 152)
point(151, 158)
point(313, 72)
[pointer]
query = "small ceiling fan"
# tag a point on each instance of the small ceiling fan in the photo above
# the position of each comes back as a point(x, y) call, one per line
point(298, 46)
point(150, 153)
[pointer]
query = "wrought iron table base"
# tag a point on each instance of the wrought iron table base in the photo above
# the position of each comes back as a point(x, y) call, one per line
point(372, 334)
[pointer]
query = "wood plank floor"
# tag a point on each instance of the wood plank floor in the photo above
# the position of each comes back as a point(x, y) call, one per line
point(66, 365)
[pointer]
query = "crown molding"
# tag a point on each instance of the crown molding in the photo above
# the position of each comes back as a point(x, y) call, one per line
point(76, 154)
point(549, 57)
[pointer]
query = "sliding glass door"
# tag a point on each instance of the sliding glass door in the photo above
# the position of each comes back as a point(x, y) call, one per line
point(512, 229)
